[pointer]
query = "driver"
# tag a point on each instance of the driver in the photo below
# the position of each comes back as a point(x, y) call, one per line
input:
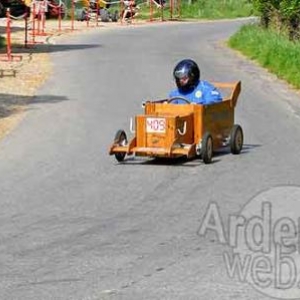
point(187, 77)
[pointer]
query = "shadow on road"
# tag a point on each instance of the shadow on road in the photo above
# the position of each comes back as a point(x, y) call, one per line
point(246, 149)
point(182, 161)
point(12, 29)
point(11, 104)
point(51, 48)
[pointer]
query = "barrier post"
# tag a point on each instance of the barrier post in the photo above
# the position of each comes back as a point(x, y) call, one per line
point(72, 14)
point(43, 17)
point(178, 8)
point(38, 20)
point(33, 22)
point(9, 57)
point(88, 14)
point(131, 11)
point(151, 10)
point(59, 17)
point(8, 40)
point(26, 29)
point(171, 9)
point(33, 32)
point(174, 8)
point(97, 13)
point(122, 11)
point(159, 8)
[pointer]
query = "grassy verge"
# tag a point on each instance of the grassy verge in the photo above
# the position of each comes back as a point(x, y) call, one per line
point(201, 9)
point(214, 9)
point(2, 41)
point(271, 50)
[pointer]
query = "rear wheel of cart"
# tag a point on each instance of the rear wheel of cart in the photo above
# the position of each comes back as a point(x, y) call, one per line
point(236, 139)
point(121, 140)
point(207, 148)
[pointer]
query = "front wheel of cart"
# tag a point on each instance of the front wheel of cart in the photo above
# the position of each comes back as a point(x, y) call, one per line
point(207, 148)
point(236, 139)
point(120, 140)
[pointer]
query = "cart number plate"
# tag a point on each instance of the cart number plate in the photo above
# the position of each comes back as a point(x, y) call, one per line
point(156, 125)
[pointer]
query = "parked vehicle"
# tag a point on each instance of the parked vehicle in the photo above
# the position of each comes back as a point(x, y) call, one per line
point(17, 8)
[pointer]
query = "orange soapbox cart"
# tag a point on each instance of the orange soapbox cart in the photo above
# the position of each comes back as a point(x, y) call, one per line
point(190, 130)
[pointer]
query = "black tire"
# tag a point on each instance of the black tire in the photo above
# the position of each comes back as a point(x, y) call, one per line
point(121, 140)
point(80, 14)
point(115, 16)
point(104, 16)
point(236, 139)
point(2, 11)
point(207, 148)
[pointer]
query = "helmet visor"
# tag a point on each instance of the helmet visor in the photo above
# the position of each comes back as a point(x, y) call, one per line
point(181, 73)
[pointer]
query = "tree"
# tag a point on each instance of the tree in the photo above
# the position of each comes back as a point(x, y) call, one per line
point(264, 8)
point(290, 11)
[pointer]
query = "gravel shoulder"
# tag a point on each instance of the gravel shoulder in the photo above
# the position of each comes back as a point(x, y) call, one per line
point(31, 66)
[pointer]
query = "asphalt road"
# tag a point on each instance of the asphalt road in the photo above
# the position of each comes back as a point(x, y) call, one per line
point(77, 225)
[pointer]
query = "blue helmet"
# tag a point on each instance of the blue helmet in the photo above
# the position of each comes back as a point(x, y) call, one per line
point(188, 69)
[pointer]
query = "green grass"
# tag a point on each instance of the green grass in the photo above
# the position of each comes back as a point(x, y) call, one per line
point(271, 50)
point(216, 9)
point(204, 9)
point(2, 41)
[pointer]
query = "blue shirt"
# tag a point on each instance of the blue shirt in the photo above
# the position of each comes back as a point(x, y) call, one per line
point(204, 93)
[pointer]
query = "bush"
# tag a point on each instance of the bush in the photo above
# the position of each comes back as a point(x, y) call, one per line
point(272, 50)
